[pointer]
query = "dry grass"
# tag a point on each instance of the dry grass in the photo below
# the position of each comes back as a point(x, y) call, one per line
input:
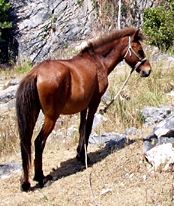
point(119, 177)
point(9, 143)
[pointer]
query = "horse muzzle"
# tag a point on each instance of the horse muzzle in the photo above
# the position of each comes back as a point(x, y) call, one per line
point(145, 72)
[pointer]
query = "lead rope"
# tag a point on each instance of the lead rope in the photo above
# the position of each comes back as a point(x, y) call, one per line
point(102, 111)
point(89, 179)
point(86, 159)
point(105, 109)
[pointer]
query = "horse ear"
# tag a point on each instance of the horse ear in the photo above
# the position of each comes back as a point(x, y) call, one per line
point(137, 35)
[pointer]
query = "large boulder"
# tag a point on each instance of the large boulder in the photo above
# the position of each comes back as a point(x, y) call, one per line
point(42, 27)
point(158, 147)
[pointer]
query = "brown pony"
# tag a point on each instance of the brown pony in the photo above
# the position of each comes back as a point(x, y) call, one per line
point(70, 86)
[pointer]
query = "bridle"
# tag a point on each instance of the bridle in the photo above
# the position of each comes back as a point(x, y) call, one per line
point(129, 50)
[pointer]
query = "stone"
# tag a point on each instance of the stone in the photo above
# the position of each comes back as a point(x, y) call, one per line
point(161, 157)
point(157, 138)
point(158, 147)
point(14, 81)
point(110, 139)
point(7, 96)
point(43, 27)
point(162, 133)
point(98, 119)
point(132, 131)
point(167, 123)
point(153, 115)
point(9, 167)
point(161, 56)
point(106, 98)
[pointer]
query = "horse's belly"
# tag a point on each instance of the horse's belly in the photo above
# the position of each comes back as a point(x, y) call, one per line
point(73, 107)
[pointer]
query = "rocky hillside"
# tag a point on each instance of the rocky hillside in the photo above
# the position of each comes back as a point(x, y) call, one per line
point(44, 26)
point(40, 28)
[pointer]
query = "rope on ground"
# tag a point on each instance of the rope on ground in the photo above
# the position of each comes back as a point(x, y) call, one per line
point(86, 158)
point(89, 178)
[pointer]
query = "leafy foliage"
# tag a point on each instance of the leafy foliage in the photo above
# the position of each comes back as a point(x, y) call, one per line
point(4, 25)
point(4, 7)
point(158, 25)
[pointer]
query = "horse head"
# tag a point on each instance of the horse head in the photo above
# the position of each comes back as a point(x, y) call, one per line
point(135, 56)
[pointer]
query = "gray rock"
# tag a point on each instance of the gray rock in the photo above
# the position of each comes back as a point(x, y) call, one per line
point(14, 81)
point(45, 26)
point(7, 94)
point(162, 133)
point(106, 98)
point(132, 131)
point(154, 140)
point(161, 56)
point(167, 123)
point(98, 119)
point(153, 115)
point(149, 142)
point(161, 157)
point(158, 146)
point(4, 98)
point(9, 167)
point(111, 139)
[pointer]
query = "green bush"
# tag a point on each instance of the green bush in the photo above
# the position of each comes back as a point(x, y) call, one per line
point(4, 18)
point(158, 26)
point(5, 24)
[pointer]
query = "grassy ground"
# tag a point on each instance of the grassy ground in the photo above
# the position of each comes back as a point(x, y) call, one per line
point(119, 176)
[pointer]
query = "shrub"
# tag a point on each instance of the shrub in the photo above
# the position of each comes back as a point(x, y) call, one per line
point(158, 25)
point(5, 24)
point(4, 18)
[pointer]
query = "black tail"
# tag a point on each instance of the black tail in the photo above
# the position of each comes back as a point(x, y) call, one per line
point(27, 110)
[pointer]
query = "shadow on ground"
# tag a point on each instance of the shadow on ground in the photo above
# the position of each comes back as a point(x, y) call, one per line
point(72, 166)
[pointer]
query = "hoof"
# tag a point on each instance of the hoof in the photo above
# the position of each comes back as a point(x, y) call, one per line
point(25, 187)
point(44, 181)
point(82, 159)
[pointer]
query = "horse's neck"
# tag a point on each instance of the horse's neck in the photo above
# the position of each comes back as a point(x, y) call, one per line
point(112, 55)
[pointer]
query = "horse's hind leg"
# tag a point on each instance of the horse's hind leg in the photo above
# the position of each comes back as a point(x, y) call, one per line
point(39, 147)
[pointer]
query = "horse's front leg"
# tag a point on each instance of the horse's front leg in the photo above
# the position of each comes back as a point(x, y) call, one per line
point(39, 147)
point(85, 131)
point(80, 149)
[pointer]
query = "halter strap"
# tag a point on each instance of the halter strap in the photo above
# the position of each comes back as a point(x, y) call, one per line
point(129, 50)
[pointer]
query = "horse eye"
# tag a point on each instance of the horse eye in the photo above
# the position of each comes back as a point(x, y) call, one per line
point(140, 52)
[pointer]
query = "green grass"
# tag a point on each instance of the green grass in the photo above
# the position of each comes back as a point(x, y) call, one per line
point(15, 70)
point(23, 67)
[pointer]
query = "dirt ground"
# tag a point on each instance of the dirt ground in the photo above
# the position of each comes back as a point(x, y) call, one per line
point(118, 177)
